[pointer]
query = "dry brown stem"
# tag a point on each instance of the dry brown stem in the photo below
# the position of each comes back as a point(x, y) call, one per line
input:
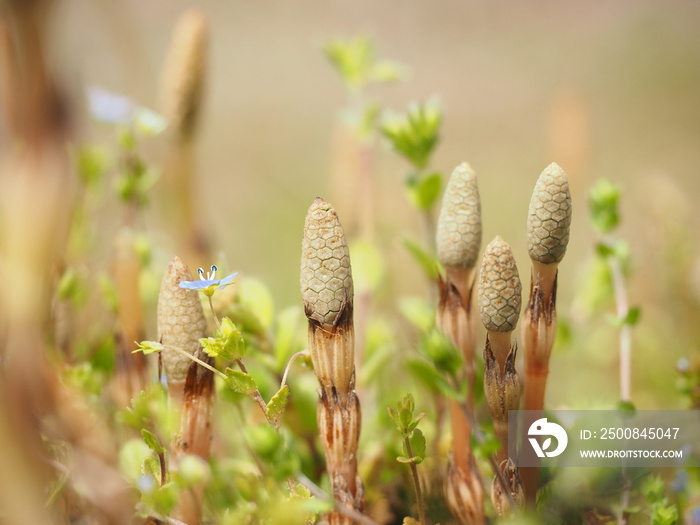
point(504, 503)
point(502, 391)
point(464, 493)
point(195, 435)
point(538, 332)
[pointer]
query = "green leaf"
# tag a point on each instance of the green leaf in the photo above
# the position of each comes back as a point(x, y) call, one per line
point(488, 447)
point(164, 498)
point(633, 315)
point(387, 71)
point(228, 344)
point(126, 138)
point(438, 348)
point(605, 249)
point(626, 406)
point(424, 191)
point(287, 334)
point(353, 58)
point(414, 134)
point(653, 489)
point(417, 442)
point(603, 202)
point(131, 455)
point(143, 249)
point(276, 406)
point(427, 261)
point(368, 266)
point(394, 415)
point(91, 164)
point(71, 287)
point(663, 513)
point(406, 407)
point(415, 421)
point(151, 465)
point(257, 296)
point(418, 312)
point(240, 382)
point(148, 347)
point(148, 122)
point(365, 121)
point(152, 441)
point(431, 378)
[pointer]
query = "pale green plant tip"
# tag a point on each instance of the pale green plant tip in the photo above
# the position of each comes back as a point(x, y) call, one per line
point(459, 225)
point(415, 133)
point(356, 61)
point(549, 217)
point(603, 201)
point(499, 288)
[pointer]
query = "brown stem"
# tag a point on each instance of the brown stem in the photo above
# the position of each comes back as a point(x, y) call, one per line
point(461, 436)
point(163, 470)
point(500, 346)
point(479, 437)
point(337, 507)
point(538, 332)
point(536, 380)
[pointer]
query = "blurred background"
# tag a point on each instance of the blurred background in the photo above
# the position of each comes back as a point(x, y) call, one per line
point(605, 89)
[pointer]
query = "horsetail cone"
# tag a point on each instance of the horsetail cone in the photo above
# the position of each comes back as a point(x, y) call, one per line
point(181, 321)
point(549, 218)
point(327, 291)
point(459, 225)
point(499, 288)
point(326, 277)
point(182, 80)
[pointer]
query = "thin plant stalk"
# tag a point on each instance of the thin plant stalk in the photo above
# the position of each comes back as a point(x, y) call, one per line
point(625, 340)
point(548, 226)
point(416, 483)
point(458, 239)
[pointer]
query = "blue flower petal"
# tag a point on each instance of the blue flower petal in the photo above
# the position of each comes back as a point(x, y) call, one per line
point(203, 284)
point(227, 280)
point(109, 107)
point(198, 285)
point(190, 285)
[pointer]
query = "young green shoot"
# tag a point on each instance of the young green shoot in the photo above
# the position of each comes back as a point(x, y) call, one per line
point(603, 202)
point(413, 443)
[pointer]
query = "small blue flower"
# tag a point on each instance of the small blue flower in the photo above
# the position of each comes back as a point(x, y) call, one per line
point(112, 108)
point(209, 285)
